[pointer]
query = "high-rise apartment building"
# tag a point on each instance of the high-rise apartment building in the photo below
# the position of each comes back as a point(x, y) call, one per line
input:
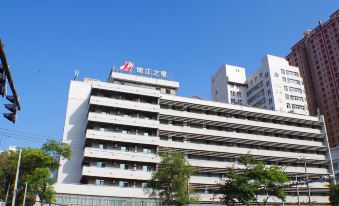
point(317, 56)
point(276, 85)
point(229, 85)
point(119, 129)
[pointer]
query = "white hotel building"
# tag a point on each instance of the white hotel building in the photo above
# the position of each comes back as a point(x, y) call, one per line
point(118, 130)
point(275, 85)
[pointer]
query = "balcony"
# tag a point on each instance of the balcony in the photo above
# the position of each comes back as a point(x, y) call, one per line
point(126, 89)
point(206, 180)
point(244, 138)
point(169, 114)
point(93, 190)
point(116, 173)
point(119, 155)
point(120, 137)
point(289, 199)
point(223, 165)
point(233, 151)
point(122, 120)
point(118, 103)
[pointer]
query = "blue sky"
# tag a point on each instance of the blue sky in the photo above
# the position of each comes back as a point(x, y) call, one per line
point(46, 40)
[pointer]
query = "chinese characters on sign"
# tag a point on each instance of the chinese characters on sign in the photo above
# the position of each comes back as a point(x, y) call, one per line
point(128, 67)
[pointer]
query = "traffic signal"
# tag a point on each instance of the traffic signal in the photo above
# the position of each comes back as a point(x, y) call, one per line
point(12, 108)
point(2, 80)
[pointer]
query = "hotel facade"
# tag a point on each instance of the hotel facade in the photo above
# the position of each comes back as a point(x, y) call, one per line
point(118, 130)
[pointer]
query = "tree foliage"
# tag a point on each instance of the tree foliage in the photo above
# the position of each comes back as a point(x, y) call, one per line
point(245, 185)
point(170, 181)
point(35, 169)
point(334, 194)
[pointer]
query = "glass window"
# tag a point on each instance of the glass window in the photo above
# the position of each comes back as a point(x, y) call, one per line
point(145, 150)
point(102, 146)
point(147, 168)
point(123, 183)
point(103, 129)
point(282, 71)
point(285, 88)
point(99, 182)
point(101, 164)
point(124, 166)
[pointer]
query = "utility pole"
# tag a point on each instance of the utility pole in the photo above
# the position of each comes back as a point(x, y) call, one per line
point(24, 201)
point(296, 180)
point(16, 179)
point(307, 183)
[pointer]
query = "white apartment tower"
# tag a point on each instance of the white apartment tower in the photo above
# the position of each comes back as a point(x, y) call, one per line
point(275, 85)
point(119, 129)
point(229, 85)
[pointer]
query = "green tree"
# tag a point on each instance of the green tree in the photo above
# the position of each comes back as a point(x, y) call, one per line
point(334, 194)
point(35, 169)
point(245, 185)
point(170, 181)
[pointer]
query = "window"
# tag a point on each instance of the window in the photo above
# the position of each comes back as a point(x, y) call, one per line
point(104, 112)
point(146, 150)
point(269, 92)
point(294, 106)
point(168, 91)
point(123, 183)
point(284, 79)
point(101, 164)
point(267, 83)
point(296, 98)
point(288, 105)
point(291, 73)
point(102, 146)
point(232, 93)
point(282, 71)
point(99, 182)
point(285, 88)
point(270, 100)
point(103, 129)
point(293, 81)
point(143, 185)
point(253, 89)
point(233, 101)
point(298, 90)
point(239, 94)
point(124, 149)
point(287, 96)
point(124, 166)
point(146, 168)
